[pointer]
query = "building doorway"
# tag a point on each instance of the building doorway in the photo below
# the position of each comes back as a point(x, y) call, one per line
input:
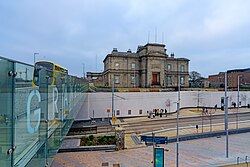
point(155, 78)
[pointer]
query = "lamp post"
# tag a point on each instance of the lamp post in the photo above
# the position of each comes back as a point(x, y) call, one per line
point(226, 114)
point(35, 57)
point(177, 124)
point(238, 100)
point(83, 70)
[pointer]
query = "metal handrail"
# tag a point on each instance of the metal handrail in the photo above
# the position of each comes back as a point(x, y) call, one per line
point(193, 126)
point(246, 160)
point(15, 61)
point(238, 160)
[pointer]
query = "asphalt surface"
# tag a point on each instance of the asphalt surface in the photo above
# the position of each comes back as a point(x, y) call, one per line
point(165, 123)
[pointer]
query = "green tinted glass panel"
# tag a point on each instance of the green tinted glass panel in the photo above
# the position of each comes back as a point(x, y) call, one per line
point(34, 118)
point(6, 112)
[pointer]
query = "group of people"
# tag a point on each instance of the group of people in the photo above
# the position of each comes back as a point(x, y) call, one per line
point(157, 112)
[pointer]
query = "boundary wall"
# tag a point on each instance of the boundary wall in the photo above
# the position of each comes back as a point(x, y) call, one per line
point(96, 104)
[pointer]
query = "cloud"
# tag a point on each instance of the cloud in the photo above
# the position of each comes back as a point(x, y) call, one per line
point(74, 32)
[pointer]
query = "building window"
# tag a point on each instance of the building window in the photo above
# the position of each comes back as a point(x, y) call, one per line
point(182, 80)
point(117, 65)
point(132, 79)
point(140, 111)
point(117, 112)
point(169, 67)
point(182, 68)
point(117, 79)
point(129, 112)
point(169, 80)
point(133, 66)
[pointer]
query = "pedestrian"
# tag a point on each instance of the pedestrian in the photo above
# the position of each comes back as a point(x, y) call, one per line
point(234, 104)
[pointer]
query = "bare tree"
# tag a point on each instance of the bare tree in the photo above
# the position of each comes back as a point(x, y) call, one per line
point(243, 97)
point(209, 115)
point(199, 98)
point(230, 100)
point(168, 104)
point(195, 79)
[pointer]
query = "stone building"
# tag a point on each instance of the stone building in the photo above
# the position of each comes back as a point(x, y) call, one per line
point(149, 66)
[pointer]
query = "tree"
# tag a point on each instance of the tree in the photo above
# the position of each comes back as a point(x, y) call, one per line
point(168, 104)
point(243, 97)
point(195, 79)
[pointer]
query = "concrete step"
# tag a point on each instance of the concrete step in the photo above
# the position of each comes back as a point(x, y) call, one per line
point(135, 139)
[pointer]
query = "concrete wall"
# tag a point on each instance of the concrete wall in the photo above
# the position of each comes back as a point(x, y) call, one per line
point(146, 101)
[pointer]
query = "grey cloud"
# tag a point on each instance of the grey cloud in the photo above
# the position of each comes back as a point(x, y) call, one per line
point(74, 32)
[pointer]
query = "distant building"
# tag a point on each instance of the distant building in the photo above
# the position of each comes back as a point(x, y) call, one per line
point(199, 83)
point(205, 83)
point(217, 81)
point(149, 67)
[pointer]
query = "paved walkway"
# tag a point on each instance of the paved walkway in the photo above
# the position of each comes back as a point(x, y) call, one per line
point(184, 113)
point(208, 152)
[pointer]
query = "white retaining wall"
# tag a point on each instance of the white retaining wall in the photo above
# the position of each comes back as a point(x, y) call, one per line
point(97, 103)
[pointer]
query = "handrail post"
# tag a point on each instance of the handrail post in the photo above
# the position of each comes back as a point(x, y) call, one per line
point(246, 160)
point(238, 160)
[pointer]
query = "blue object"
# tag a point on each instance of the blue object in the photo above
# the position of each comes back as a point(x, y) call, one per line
point(157, 139)
point(158, 157)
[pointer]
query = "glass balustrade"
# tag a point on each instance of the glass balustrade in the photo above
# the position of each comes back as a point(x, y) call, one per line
point(35, 119)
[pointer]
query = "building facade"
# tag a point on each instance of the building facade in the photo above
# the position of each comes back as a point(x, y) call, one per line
point(217, 81)
point(149, 67)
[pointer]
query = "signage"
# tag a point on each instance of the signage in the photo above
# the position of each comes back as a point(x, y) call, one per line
point(114, 119)
point(108, 110)
point(158, 157)
point(157, 139)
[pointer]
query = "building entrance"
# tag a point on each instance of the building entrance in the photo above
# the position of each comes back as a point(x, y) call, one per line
point(155, 78)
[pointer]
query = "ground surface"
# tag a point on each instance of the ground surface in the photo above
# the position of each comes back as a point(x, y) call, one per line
point(201, 152)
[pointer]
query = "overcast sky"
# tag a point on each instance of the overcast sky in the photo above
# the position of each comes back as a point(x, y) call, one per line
point(213, 34)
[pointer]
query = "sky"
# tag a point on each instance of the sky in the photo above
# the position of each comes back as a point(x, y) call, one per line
point(213, 34)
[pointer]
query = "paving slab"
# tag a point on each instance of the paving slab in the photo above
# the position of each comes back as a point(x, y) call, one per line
point(207, 152)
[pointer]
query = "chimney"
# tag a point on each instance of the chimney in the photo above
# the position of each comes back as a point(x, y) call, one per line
point(114, 50)
point(172, 54)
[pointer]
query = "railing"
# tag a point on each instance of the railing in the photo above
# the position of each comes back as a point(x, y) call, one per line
point(245, 160)
point(192, 127)
point(34, 119)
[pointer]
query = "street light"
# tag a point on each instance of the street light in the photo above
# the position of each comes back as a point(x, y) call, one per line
point(177, 123)
point(35, 57)
point(83, 70)
point(238, 99)
point(226, 113)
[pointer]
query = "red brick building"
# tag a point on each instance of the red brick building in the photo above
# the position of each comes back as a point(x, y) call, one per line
point(217, 81)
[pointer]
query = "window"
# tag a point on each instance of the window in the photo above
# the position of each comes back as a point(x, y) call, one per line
point(140, 111)
point(117, 79)
point(133, 66)
point(169, 80)
point(182, 68)
point(182, 80)
point(169, 67)
point(117, 112)
point(117, 65)
point(129, 112)
point(132, 79)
